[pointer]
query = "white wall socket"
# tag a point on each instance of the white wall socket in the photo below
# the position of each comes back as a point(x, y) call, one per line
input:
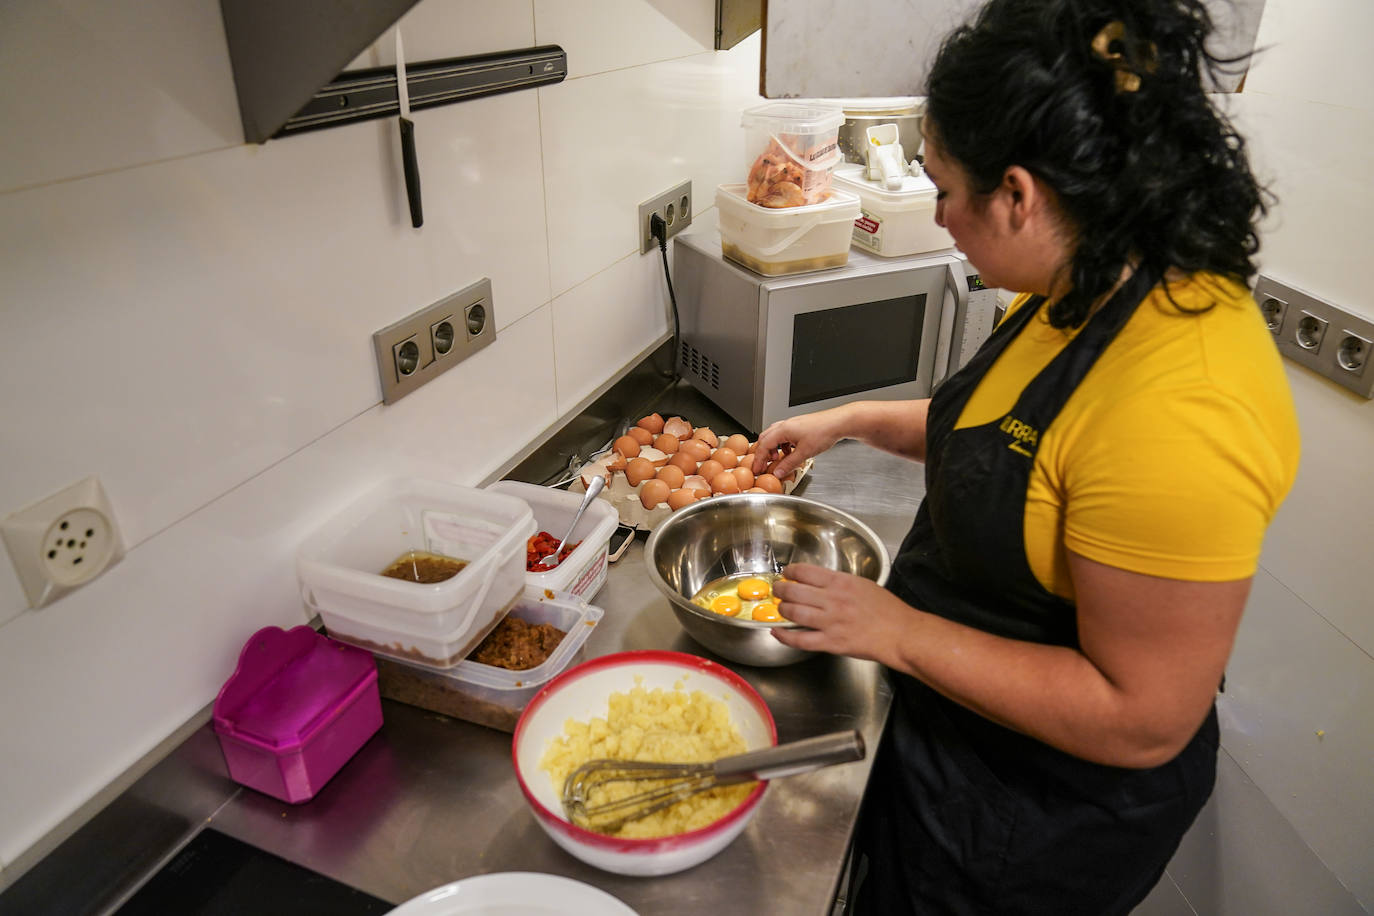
point(63, 542)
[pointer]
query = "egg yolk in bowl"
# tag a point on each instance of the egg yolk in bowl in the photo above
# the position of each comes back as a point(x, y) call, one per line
point(748, 597)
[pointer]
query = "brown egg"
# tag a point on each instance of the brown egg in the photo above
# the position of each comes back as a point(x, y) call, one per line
point(737, 443)
point(653, 493)
point(705, 435)
point(769, 482)
point(684, 463)
point(679, 498)
point(638, 470)
point(756, 490)
point(653, 423)
point(727, 457)
point(696, 448)
point(640, 435)
point(724, 482)
point(676, 426)
point(666, 443)
point(744, 477)
point(658, 458)
point(671, 475)
point(697, 482)
point(627, 446)
point(710, 468)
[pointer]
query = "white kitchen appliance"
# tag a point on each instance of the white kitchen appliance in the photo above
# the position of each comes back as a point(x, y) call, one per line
point(765, 348)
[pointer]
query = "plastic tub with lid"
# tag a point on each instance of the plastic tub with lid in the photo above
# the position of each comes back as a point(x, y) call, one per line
point(785, 241)
point(897, 222)
point(297, 707)
point(438, 623)
point(790, 150)
point(584, 571)
point(486, 694)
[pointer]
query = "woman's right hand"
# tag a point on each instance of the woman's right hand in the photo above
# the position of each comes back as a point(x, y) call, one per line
point(786, 445)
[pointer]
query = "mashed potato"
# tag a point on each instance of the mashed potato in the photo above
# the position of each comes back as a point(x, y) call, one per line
point(655, 725)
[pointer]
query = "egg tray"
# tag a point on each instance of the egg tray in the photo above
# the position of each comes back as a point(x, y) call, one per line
point(625, 498)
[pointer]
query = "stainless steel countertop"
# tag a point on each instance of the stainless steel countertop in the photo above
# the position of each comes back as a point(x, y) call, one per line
point(430, 799)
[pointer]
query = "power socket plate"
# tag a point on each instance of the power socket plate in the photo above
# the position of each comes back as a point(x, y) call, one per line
point(674, 205)
point(422, 346)
point(1323, 337)
point(63, 542)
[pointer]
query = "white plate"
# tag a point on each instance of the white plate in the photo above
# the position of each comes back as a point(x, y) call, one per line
point(514, 893)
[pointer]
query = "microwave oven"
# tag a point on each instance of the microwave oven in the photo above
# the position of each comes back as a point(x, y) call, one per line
point(767, 348)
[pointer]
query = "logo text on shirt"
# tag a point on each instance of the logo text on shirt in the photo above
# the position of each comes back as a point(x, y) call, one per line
point(1024, 437)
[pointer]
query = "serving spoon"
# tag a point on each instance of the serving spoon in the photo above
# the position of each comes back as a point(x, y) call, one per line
point(593, 489)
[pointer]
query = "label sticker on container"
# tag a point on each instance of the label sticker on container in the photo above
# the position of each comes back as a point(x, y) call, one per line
point(821, 152)
point(456, 536)
point(866, 229)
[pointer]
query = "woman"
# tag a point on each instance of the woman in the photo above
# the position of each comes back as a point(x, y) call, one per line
point(1099, 476)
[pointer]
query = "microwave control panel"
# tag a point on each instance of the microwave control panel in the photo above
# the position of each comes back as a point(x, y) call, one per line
point(980, 317)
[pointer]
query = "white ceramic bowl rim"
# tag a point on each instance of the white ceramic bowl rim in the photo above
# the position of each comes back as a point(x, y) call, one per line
point(688, 662)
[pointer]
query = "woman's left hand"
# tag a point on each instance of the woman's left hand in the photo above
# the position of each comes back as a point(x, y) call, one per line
point(846, 614)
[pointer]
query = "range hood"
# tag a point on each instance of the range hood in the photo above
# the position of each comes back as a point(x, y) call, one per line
point(283, 51)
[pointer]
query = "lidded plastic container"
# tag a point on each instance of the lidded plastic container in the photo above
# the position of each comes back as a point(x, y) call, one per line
point(340, 568)
point(296, 708)
point(789, 240)
point(895, 222)
point(790, 150)
point(486, 694)
point(584, 571)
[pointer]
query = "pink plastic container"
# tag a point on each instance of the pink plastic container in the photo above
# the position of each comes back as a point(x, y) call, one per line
point(296, 708)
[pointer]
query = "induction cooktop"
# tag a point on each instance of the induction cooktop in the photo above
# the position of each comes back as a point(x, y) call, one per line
point(217, 875)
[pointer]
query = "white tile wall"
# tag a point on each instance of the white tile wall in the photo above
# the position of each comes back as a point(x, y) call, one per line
point(190, 318)
point(111, 85)
point(1303, 659)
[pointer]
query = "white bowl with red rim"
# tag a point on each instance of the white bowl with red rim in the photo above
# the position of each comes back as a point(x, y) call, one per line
point(583, 693)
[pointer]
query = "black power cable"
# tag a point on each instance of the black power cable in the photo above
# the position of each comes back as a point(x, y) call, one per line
point(659, 229)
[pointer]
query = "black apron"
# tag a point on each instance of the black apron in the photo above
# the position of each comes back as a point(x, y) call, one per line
point(964, 816)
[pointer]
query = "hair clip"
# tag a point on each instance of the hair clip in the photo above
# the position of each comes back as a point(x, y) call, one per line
point(1114, 33)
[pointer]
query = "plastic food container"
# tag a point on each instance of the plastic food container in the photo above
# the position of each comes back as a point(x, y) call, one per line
point(438, 624)
point(485, 694)
point(790, 149)
point(897, 222)
point(785, 241)
point(584, 571)
point(296, 708)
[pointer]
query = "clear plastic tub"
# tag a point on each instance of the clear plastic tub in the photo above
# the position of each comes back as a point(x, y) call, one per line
point(790, 149)
point(488, 695)
point(340, 565)
point(584, 571)
point(785, 241)
point(297, 707)
point(897, 222)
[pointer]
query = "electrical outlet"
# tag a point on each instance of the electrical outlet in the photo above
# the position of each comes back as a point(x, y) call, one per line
point(421, 346)
point(1274, 310)
point(674, 205)
point(63, 542)
point(1316, 334)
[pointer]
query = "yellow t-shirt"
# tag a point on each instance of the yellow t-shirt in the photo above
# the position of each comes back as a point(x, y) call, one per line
point(1175, 451)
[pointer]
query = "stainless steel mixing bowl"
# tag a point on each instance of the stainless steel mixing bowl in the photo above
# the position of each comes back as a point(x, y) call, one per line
point(753, 532)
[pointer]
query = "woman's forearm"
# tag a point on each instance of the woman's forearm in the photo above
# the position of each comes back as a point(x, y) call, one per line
point(896, 427)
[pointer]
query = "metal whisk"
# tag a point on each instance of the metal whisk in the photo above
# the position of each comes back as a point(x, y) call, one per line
point(671, 783)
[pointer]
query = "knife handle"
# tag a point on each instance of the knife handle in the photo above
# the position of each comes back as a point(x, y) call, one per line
point(412, 170)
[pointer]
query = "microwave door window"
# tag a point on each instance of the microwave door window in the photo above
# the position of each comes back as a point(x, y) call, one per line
point(840, 351)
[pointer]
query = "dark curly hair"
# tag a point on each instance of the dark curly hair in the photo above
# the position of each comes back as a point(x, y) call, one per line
point(1151, 170)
